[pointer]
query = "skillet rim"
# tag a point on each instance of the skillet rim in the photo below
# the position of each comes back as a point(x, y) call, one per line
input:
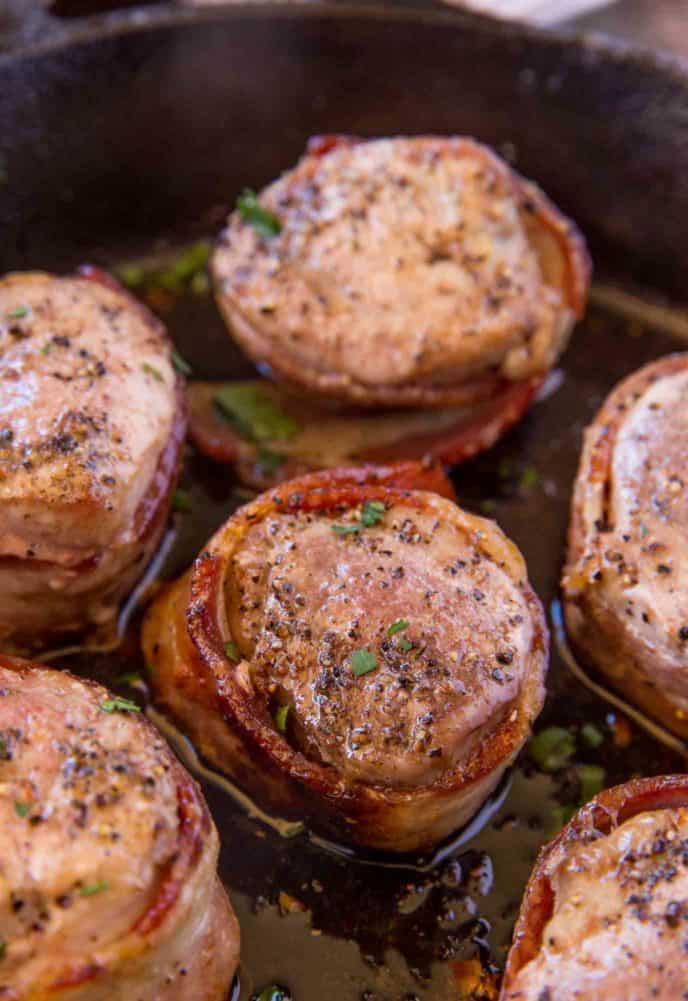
point(114, 24)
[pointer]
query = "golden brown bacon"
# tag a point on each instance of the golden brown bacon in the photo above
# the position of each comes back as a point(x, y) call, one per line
point(357, 653)
point(108, 885)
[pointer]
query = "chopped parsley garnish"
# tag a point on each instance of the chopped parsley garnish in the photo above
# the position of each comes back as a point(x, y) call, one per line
point(272, 993)
point(398, 627)
point(372, 512)
point(47, 348)
point(119, 705)
point(404, 644)
point(129, 678)
point(18, 313)
point(347, 530)
point(592, 735)
point(362, 662)
point(529, 479)
point(171, 272)
point(181, 501)
point(552, 749)
point(281, 718)
point(131, 275)
point(269, 461)
point(592, 779)
point(253, 413)
point(151, 370)
point(181, 364)
point(22, 809)
point(232, 652)
point(252, 212)
point(188, 263)
point(90, 889)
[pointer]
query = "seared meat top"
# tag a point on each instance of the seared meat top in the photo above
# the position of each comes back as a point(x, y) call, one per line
point(629, 540)
point(440, 624)
point(88, 820)
point(87, 402)
point(398, 261)
point(618, 925)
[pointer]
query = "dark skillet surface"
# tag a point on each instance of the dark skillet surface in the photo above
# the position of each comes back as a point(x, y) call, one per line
point(142, 134)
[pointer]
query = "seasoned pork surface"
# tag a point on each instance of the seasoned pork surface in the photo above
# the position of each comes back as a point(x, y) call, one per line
point(366, 657)
point(626, 580)
point(108, 887)
point(91, 421)
point(614, 915)
point(410, 271)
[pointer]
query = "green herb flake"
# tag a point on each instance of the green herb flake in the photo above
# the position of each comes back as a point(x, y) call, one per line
point(529, 479)
point(90, 889)
point(181, 501)
point(119, 705)
point(232, 652)
point(129, 678)
point(18, 313)
point(272, 993)
point(404, 644)
point(47, 348)
point(180, 364)
point(281, 715)
point(372, 513)
point(189, 262)
point(644, 530)
point(251, 211)
point(552, 749)
point(152, 370)
point(351, 529)
point(398, 626)
point(22, 809)
point(3, 949)
point(592, 779)
point(200, 284)
point(254, 413)
point(560, 816)
point(362, 662)
point(269, 461)
point(592, 735)
point(131, 275)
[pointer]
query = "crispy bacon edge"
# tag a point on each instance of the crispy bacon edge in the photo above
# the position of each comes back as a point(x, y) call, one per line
point(184, 638)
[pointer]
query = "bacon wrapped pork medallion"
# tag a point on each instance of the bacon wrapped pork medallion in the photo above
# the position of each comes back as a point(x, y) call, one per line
point(407, 272)
point(605, 914)
point(108, 886)
point(625, 584)
point(357, 653)
point(91, 425)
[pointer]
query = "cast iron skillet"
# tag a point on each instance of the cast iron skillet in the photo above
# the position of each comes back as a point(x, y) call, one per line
point(121, 131)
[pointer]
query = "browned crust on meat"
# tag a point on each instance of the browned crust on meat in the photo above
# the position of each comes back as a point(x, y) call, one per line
point(150, 517)
point(560, 246)
point(184, 640)
point(604, 813)
point(209, 980)
point(598, 631)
